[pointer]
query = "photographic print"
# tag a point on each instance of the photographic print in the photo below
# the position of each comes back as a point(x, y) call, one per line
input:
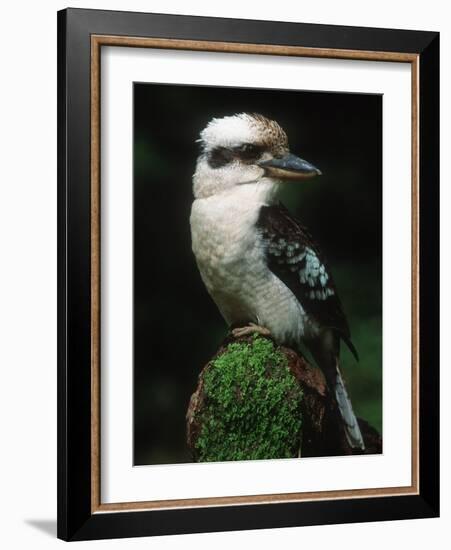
point(248, 265)
point(257, 269)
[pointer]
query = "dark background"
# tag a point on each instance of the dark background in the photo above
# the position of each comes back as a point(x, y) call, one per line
point(177, 327)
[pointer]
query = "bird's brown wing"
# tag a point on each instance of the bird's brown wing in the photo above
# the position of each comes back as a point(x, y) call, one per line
point(296, 260)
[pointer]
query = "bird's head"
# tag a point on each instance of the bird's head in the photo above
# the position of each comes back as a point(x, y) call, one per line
point(243, 150)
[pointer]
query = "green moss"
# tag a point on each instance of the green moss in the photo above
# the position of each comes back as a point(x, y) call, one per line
point(252, 405)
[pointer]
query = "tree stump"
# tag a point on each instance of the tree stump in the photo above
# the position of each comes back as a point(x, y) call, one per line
point(257, 400)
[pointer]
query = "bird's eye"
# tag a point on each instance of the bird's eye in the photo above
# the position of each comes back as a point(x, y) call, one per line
point(249, 151)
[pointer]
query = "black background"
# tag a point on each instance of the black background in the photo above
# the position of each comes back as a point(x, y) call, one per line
point(176, 325)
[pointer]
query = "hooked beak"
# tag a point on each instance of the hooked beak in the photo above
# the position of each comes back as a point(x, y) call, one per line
point(289, 167)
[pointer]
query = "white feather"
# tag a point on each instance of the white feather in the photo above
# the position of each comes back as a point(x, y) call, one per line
point(229, 131)
point(230, 254)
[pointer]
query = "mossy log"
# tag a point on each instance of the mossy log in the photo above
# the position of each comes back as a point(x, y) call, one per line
point(256, 400)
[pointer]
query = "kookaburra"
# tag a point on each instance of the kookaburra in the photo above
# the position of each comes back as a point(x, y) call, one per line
point(260, 265)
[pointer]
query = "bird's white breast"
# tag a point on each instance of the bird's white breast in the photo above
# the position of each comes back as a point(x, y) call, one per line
point(231, 259)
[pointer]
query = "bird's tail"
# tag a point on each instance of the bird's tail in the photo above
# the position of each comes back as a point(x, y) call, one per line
point(351, 426)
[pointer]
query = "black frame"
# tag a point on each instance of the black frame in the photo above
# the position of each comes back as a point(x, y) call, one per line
point(75, 520)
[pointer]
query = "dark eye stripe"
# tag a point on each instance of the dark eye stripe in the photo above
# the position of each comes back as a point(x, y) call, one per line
point(220, 156)
point(249, 151)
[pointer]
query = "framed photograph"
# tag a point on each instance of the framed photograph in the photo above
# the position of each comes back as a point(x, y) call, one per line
point(248, 274)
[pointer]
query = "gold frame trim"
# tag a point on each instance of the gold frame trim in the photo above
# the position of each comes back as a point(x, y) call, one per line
point(97, 41)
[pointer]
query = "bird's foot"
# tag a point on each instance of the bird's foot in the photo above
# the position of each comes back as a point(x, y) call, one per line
point(251, 328)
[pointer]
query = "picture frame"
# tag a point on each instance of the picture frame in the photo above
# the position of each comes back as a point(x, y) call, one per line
point(81, 36)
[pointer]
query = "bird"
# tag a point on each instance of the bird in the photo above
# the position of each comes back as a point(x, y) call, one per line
point(259, 264)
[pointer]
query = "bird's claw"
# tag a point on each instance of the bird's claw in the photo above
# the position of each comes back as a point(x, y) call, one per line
point(252, 328)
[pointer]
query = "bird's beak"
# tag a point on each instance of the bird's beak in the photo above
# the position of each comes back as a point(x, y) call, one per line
point(289, 167)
